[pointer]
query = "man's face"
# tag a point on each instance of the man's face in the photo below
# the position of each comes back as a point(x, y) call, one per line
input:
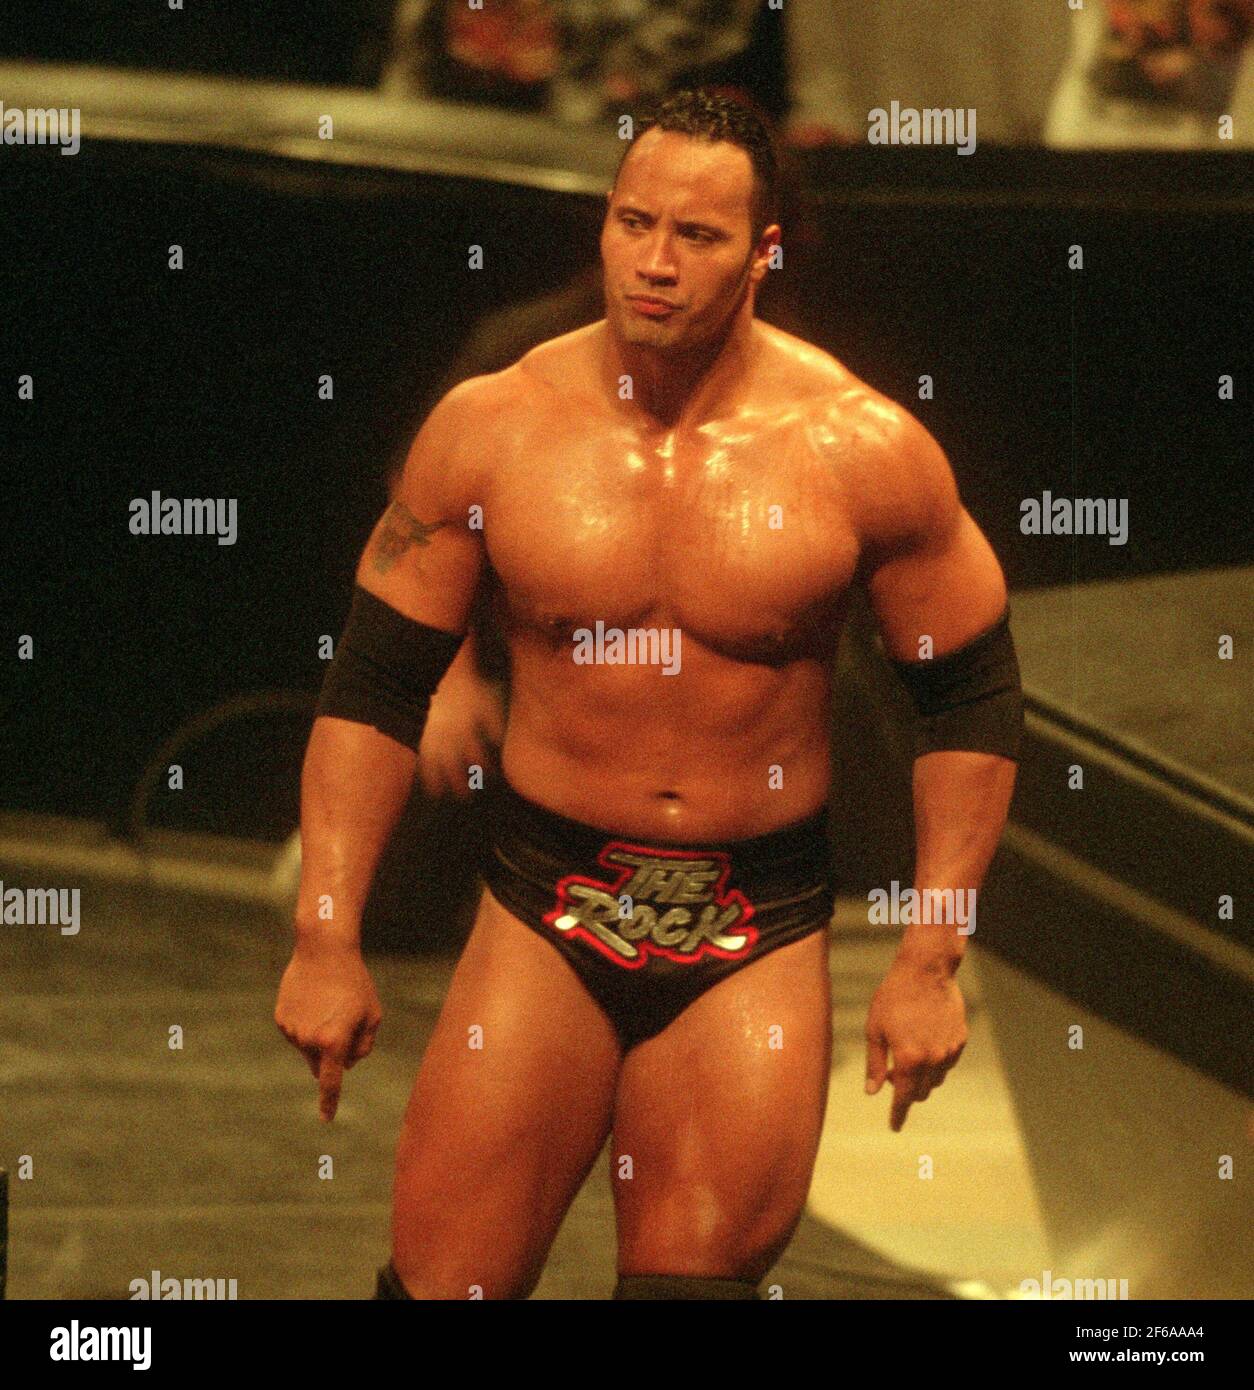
point(677, 246)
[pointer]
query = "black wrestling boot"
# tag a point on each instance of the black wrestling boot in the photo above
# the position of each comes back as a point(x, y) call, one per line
point(389, 1285)
point(683, 1286)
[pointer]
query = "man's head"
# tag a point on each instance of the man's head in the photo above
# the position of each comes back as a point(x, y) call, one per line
point(689, 222)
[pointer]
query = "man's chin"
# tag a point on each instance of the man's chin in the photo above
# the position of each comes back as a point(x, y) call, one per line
point(647, 333)
point(642, 332)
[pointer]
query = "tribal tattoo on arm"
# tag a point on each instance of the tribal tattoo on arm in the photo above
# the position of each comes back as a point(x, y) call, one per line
point(398, 530)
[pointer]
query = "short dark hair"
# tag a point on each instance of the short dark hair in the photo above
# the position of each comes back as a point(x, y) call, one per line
point(709, 115)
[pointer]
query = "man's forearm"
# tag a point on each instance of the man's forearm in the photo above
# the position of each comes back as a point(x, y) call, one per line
point(362, 757)
point(354, 785)
point(961, 801)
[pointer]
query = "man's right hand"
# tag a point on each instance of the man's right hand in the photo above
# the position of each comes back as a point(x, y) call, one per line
point(328, 1009)
point(465, 727)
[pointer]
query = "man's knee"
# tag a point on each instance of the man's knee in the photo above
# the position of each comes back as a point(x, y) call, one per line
point(704, 1234)
point(683, 1286)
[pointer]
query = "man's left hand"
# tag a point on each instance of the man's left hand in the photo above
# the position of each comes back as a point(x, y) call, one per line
point(917, 1013)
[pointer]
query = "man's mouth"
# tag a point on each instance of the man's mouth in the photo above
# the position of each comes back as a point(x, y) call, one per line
point(653, 308)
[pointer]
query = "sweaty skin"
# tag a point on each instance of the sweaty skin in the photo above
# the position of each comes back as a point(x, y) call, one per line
point(678, 464)
point(600, 517)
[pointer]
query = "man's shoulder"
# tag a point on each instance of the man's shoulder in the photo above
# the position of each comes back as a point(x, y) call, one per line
point(474, 404)
point(554, 365)
point(806, 368)
point(487, 417)
point(890, 470)
point(853, 423)
point(564, 363)
point(835, 404)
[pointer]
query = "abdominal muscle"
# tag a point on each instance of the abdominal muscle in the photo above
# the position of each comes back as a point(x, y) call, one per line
point(687, 757)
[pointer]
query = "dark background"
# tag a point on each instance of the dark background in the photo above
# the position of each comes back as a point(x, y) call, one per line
point(331, 42)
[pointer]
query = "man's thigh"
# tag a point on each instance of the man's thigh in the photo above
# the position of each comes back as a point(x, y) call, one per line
point(509, 1109)
point(721, 1116)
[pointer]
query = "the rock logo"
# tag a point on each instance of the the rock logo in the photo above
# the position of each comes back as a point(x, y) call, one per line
point(694, 917)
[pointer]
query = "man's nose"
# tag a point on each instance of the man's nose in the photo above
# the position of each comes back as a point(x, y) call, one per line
point(658, 260)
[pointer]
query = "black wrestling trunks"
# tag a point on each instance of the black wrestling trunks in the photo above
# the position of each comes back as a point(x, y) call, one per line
point(649, 926)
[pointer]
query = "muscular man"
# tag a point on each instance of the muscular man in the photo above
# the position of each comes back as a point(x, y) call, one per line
point(649, 958)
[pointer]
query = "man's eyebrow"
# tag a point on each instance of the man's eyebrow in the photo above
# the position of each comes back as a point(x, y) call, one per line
point(689, 224)
point(703, 227)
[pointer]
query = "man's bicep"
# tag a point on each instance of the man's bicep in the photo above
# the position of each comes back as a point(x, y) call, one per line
point(948, 587)
point(935, 577)
point(425, 555)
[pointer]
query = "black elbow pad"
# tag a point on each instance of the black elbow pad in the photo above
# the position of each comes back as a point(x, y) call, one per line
point(385, 669)
point(971, 698)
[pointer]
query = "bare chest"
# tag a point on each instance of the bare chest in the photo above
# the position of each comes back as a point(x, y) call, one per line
point(736, 533)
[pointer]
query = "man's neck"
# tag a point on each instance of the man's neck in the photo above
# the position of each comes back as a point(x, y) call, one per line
point(671, 387)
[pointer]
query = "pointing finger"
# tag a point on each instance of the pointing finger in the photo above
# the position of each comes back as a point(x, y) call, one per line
point(876, 1064)
point(330, 1079)
point(907, 1082)
point(903, 1099)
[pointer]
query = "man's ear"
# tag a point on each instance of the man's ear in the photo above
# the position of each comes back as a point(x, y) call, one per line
point(771, 236)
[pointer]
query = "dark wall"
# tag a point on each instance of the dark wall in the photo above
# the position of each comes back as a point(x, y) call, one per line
point(1100, 383)
point(325, 42)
